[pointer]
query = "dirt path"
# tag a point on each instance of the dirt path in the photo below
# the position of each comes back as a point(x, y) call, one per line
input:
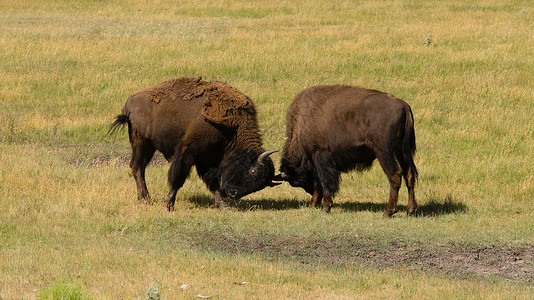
point(453, 260)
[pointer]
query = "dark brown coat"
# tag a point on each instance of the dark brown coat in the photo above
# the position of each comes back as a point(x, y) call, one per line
point(211, 125)
point(337, 128)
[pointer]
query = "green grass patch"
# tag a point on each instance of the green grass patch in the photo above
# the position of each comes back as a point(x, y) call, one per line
point(63, 290)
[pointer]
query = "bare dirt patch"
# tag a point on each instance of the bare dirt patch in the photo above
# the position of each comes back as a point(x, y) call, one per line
point(499, 262)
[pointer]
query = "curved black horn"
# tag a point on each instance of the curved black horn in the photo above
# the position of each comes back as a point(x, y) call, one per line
point(264, 155)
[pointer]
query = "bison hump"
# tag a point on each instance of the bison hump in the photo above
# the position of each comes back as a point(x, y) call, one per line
point(224, 104)
point(173, 89)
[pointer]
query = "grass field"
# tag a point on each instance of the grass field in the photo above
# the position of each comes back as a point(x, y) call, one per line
point(70, 224)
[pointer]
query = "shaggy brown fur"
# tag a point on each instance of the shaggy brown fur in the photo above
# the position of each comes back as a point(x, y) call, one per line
point(211, 125)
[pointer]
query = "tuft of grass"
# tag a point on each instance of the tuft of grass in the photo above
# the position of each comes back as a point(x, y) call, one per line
point(152, 293)
point(62, 289)
point(428, 40)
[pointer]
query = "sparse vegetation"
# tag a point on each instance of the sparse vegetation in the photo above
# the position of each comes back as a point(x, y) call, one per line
point(68, 205)
point(152, 293)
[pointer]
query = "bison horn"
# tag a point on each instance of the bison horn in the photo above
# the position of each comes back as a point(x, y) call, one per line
point(264, 155)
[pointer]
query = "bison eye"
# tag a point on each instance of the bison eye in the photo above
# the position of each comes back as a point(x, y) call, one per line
point(253, 171)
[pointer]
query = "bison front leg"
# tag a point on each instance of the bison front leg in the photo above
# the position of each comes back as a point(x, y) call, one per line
point(327, 204)
point(317, 197)
point(219, 202)
point(178, 173)
point(328, 177)
point(170, 199)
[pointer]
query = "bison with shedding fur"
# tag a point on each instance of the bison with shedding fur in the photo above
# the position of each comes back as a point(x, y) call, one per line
point(210, 125)
point(336, 128)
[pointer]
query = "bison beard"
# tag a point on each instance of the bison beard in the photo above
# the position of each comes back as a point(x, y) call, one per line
point(336, 128)
point(210, 125)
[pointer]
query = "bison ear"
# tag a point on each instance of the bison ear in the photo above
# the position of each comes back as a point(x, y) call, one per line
point(224, 107)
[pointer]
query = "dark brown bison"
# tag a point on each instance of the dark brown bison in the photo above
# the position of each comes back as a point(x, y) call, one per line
point(337, 128)
point(211, 125)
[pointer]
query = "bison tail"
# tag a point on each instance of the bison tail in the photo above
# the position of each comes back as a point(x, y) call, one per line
point(118, 123)
point(409, 147)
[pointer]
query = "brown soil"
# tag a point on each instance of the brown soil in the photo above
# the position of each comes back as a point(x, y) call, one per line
point(513, 264)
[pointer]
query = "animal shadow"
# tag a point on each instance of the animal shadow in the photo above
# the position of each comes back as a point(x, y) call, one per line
point(435, 206)
point(249, 204)
point(432, 207)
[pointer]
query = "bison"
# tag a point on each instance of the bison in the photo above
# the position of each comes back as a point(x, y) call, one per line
point(210, 125)
point(337, 128)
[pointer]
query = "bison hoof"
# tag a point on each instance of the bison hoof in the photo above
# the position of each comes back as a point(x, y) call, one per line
point(144, 200)
point(169, 207)
point(315, 204)
point(223, 206)
point(387, 214)
point(325, 210)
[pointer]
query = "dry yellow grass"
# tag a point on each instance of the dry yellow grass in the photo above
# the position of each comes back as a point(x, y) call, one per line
point(68, 207)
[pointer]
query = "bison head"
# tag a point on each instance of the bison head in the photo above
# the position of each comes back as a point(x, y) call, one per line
point(297, 171)
point(247, 173)
point(244, 169)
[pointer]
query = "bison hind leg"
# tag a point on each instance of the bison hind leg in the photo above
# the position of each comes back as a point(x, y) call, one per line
point(142, 152)
point(394, 174)
point(409, 172)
